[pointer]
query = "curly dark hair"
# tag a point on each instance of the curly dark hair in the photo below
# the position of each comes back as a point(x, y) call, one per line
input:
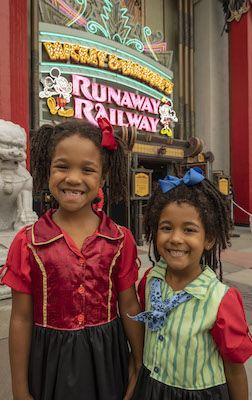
point(45, 140)
point(213, 208)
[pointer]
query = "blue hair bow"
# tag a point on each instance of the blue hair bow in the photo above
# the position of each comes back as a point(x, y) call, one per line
point(192, 177)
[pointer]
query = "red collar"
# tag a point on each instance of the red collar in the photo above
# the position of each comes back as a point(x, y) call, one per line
point(45, 230)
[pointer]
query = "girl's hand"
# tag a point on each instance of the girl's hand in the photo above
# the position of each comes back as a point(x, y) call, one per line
point(20, 343)
point(134, 332)
point(133, 374)
point(131, 387)
point(236, 380)
point(25, 397)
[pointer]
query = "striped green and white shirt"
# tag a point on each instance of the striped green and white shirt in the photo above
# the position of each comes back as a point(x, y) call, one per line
point(183, 353)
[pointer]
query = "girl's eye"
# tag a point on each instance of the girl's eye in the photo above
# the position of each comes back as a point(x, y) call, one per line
point(190, 230)
point(61, 166)
point(165, 228)
point(88, 170)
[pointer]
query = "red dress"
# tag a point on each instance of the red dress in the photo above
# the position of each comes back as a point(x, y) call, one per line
point(78, 344)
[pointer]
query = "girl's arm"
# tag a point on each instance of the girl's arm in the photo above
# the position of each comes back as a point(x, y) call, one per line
point(134, 330)
point(20, 343)
point(236, 380)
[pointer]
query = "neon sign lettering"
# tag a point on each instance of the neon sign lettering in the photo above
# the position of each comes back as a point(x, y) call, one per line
point(101, 59)
point(94, 95)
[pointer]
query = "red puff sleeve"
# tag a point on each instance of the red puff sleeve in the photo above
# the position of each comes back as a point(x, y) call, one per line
point(128, 272)
point(17, 275)
point(230, 331)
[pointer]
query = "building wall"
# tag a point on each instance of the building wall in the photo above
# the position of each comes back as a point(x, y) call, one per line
point(211, 82)
point(171, 37)
point(162, 15)
point(154, 15)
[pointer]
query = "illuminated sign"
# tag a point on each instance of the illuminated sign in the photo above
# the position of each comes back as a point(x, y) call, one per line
point(108, 19)
point(103, 78)
point(89, 99)
point(101, 59)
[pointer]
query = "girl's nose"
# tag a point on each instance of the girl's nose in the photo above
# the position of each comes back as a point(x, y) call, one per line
point(73, 177)
point(176, 237)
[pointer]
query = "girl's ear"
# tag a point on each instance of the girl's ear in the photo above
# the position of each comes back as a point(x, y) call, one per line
point(103, 180)
point(209, 243)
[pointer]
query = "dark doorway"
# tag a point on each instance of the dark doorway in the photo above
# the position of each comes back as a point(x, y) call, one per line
point(159, 168)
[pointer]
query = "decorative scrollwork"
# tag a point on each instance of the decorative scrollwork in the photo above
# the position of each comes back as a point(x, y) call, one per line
point(93, 27)
point(234, 9)
point(138, 45)
point(147, 32)
point(162, 150)
point(209, 156)
point(83, 6)
point(195, 146)
point(109, 19)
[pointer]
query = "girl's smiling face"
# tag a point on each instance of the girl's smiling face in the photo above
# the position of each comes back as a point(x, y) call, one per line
point(181, 238)
point(75, 173)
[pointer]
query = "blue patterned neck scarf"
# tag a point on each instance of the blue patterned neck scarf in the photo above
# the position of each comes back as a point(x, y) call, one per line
point(157, 318)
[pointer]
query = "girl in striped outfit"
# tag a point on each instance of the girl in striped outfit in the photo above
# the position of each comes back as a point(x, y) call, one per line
point(196, 334)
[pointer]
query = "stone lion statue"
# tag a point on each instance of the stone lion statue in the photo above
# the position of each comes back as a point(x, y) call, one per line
point(15, 181)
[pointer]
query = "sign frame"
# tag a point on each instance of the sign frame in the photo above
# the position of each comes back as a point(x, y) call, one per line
point(137, 184)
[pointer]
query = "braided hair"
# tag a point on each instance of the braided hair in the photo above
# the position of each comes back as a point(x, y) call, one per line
point(45, 140)
point(214, 211)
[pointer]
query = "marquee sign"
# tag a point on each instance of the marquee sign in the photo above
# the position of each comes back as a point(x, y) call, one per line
point(96, 94)
point(91, 56)
point(89, 98)
point(84, 78)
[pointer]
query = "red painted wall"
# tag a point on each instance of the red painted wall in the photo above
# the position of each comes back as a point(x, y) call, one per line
point(240, 75)
point(14, 88)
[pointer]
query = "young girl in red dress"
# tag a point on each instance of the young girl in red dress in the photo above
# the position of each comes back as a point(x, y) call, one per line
point(70, 270)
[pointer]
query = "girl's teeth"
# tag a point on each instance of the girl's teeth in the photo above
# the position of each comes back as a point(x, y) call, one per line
point(177, 253)
point(72, 193)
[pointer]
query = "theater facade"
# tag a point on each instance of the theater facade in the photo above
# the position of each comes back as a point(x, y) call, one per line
point(86, 76)
point(150, 70)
